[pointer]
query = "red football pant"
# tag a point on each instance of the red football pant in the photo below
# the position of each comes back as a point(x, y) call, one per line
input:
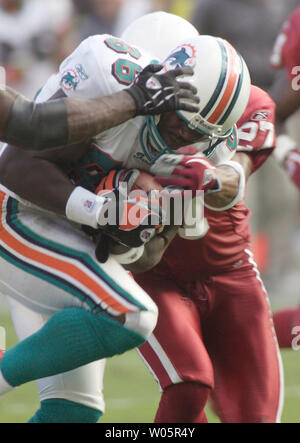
point(183, 403)
point(222, 338)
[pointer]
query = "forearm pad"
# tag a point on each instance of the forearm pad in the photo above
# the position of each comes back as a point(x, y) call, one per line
point(37, 125)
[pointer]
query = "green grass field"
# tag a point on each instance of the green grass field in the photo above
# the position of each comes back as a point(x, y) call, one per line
point(131, 393)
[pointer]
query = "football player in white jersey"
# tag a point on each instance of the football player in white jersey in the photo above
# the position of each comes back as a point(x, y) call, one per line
point(54, 123)
point(77, 310)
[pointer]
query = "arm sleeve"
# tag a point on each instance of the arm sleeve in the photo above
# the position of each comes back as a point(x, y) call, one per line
point(37, 126)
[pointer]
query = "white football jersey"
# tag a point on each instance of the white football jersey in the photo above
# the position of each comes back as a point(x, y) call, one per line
point(102, 65)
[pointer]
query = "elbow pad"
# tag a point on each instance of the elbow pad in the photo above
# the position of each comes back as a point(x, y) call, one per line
point(37, 125)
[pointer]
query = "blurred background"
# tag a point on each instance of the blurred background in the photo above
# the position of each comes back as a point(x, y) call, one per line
point(36, 35)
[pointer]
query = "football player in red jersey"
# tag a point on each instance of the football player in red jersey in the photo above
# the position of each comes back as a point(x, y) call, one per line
point(286, 93)
point(215, 334)
point(215, 331)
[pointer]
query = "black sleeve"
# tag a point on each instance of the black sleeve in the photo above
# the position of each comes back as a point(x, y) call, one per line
point(37, 125)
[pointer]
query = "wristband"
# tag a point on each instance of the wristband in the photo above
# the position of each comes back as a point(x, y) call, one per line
point(131, 256)
point(283, 146)
point(200, 229)
point(83, 207)
point(241, 190)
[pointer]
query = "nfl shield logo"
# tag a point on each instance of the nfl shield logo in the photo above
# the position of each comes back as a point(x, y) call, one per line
point(146, 234)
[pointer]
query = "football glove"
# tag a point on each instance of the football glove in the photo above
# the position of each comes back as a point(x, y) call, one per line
point(155, 93)
point(135, 180)
point(187, 172)
point(116, 176)
point(130, 221)
point(146, 212)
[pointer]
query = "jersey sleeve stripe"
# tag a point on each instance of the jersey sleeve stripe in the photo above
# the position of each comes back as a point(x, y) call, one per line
point(66, 266)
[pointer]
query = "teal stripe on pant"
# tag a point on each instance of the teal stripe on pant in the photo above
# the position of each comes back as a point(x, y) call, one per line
point(85, 260)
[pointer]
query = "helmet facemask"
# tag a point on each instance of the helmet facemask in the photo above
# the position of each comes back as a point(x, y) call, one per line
point(223, 83)
point(220, 76)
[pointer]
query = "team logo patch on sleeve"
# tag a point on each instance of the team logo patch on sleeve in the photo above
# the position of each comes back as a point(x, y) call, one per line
point(70, 80)
point(263, 114)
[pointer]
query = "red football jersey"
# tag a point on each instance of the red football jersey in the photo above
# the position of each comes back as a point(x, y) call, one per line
point(223, 246)
point(286, 51)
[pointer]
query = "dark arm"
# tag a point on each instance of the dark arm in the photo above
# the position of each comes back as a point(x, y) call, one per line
point(36, 176)
point(67, 120)
point(35, 173)
point(62, 121)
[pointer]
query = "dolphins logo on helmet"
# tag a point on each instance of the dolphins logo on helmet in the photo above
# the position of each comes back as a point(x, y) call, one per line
point(223, 83)
point(220, 75)
point(183, 56)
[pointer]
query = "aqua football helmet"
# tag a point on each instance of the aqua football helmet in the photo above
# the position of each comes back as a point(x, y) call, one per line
point(220, 75)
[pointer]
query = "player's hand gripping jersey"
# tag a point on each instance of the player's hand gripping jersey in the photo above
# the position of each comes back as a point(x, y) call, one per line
point(227, 234)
